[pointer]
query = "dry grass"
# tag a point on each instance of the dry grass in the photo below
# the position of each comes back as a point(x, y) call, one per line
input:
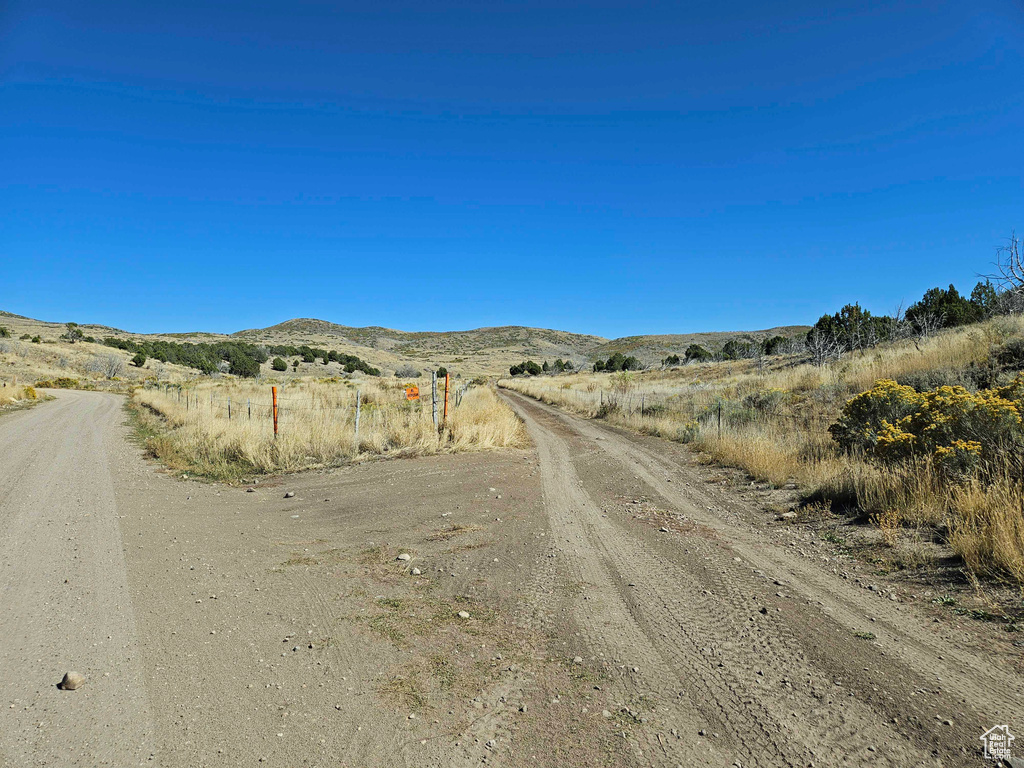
point(774, 423)
point(190, 428)
point(16, 394)
point(987, 527)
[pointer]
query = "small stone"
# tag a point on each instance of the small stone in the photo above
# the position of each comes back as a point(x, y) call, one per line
point(71, 681)
point(250, 490)
point(463, 615)
point(605, 713)
point(663, 529)
point(416, 572)
point(405, 557)
point(289, 495)
point(577, 660)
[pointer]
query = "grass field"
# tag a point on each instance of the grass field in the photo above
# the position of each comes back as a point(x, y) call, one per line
point(189, 427)
point(772, 421)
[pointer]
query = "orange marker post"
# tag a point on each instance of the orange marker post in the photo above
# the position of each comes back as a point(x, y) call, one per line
point(274, 392)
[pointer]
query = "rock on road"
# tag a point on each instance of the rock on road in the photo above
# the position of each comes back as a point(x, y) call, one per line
point(64, 601)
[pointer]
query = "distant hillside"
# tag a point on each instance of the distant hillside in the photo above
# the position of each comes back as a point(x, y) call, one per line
point(654, 348)
point(477, 351)
point(490, 348)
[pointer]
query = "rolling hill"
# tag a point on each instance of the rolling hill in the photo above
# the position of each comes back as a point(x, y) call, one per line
point(476, 351)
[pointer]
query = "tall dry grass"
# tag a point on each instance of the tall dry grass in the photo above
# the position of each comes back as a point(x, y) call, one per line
point(190, 428)
point(774, 425)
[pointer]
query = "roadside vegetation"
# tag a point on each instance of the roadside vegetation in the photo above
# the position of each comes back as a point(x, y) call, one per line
point(912, 422)
point(224, 429)
point(17, 396)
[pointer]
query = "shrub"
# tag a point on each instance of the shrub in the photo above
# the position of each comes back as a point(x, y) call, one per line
point(1011, 355)
point(139, 360)
point(529, 367)
point(870, 413)
point(62, 382)
point(767, 401)
point(618, 362)
point(5, 332)
point(279, 364)
point(244, 367)
point(688, 432)
point(30, 393)
point(406, 371)
point(697, 352)
point(957, 428)
point(442, 372)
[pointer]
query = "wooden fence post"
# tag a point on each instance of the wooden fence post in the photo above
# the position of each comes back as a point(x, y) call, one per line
point(229, 409)
point(273, 391)
point(359, 403)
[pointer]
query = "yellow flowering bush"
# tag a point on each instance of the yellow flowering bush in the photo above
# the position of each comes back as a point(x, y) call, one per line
point(874, 414)
point(959, 459)
point(955, 427)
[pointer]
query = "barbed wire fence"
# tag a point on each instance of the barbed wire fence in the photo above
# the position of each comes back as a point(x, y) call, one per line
point(278, 407)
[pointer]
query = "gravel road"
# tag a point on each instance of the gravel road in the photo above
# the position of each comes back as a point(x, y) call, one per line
point(621, 611)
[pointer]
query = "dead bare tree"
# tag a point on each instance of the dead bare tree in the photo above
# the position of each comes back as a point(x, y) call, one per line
point(1010, 265)
point(823, 347)
point(928, 324)
point(1009, 276)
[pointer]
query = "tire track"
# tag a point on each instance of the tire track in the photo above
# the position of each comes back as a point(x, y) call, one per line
point(710, 627)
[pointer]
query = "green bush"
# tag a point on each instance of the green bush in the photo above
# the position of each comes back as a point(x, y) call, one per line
point(618, 362)
point(695, 352)
point(279, 364)
point(244, 366)
point(139, 360)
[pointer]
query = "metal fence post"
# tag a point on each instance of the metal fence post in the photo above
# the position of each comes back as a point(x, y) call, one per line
point(273, 391)
point(433, 396)
point(359, 403)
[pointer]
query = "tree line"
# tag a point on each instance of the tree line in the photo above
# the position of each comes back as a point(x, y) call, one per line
point(530, 368)
point(853, 327)
point(238, 358)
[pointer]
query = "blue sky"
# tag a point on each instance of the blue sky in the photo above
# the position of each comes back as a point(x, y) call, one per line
point(610, 168)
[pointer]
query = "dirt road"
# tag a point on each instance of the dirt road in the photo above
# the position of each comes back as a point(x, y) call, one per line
point(621, 611)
